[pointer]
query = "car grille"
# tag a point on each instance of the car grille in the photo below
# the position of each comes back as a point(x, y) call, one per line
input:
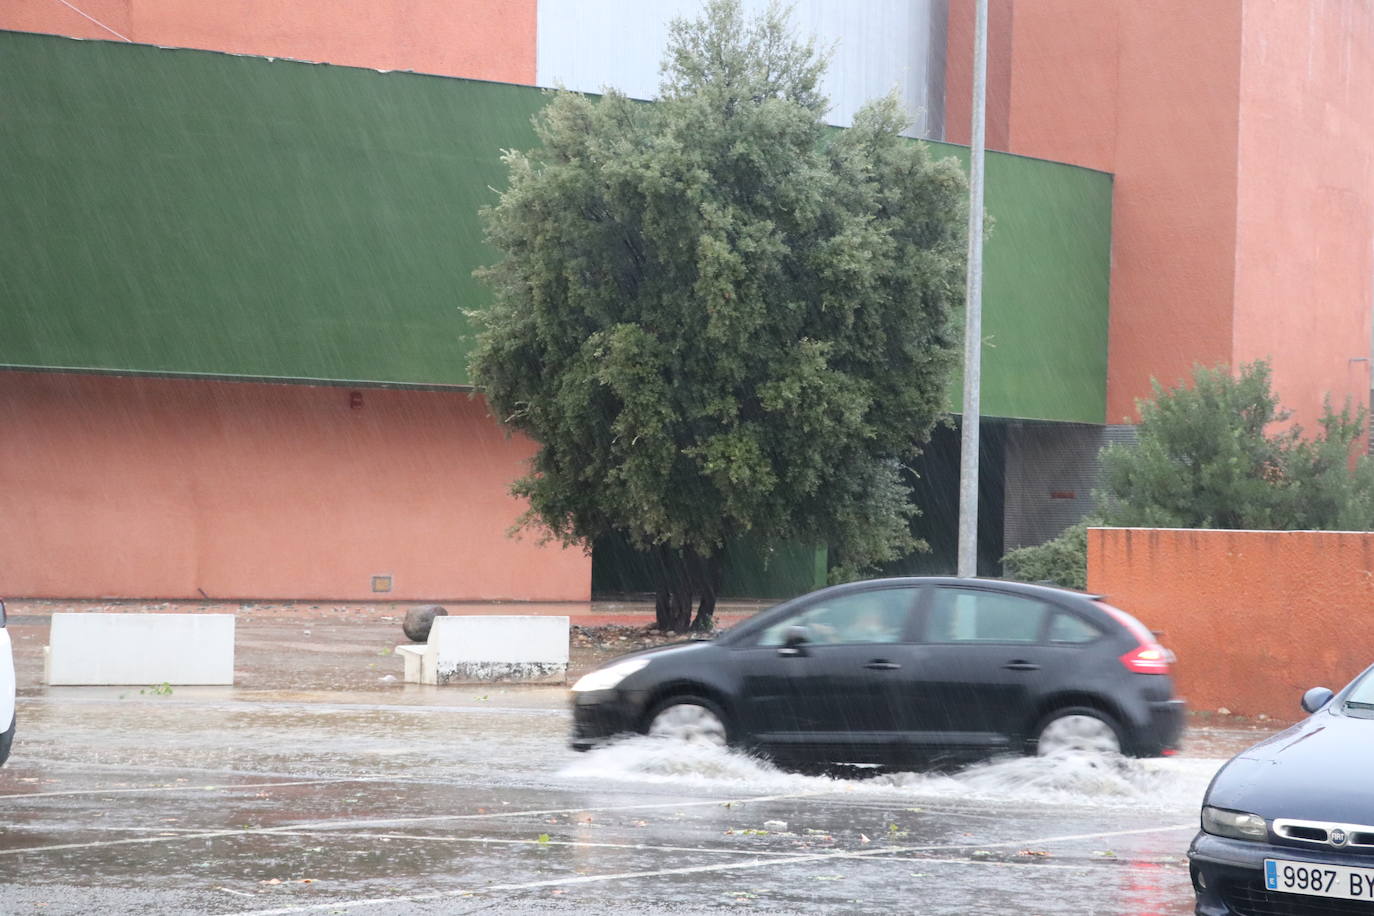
point(1254, 899)
point(1356, 837)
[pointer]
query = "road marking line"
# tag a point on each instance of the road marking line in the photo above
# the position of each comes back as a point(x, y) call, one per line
point(647, 806)
point(507, 841)
point(193, 787)
point(326, 826)
point(887, 852)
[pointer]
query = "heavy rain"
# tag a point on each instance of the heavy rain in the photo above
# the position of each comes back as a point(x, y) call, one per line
point(698, 456)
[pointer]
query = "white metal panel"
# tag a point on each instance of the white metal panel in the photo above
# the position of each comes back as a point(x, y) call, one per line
point(877, 46)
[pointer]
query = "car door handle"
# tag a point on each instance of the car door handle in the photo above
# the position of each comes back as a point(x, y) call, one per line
point(882, 664)
point(1020, 665)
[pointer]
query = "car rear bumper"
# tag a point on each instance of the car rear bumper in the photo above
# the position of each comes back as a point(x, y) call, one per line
point(1228, 878)
point(1163, 725)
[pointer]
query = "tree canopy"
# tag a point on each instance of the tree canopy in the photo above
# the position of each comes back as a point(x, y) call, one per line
point(1217, 454)
point(716, 315)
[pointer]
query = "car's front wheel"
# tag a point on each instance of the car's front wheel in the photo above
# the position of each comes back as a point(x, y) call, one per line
point(1077, 730)
point(693, 719)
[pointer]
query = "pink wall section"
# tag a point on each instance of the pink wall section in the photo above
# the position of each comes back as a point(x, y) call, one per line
point(1239, 137)
point(480, 39)
point(128, 487)
point(1174, 214)
point(1148, 92)
point(1305, 218)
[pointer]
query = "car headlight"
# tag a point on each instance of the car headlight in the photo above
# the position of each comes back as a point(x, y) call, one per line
point(1238, 825)
point(611, 675)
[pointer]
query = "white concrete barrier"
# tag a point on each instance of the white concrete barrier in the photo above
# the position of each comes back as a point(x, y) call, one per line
point(490, 648)
point(139, 649)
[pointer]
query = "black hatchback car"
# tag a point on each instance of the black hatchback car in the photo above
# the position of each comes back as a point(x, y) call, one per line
point(901, 671)
point(1288, 825)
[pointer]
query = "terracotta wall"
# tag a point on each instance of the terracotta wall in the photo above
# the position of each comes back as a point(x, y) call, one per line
point(1305, 217)
point(1238, 135)
point(1150, 93)
point(959, 74)
point(129, 487)
point(1255, 617)
point(480, 39)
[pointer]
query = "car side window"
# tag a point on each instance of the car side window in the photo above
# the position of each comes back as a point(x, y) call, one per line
point(975, 616)
point(873, 616)
point(1070, 629)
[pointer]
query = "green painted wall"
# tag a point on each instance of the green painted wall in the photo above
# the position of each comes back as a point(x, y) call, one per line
point(199, 213)
point(193, 212)
point(1046, 279)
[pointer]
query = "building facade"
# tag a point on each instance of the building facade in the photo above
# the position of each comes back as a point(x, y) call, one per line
point(233, 339)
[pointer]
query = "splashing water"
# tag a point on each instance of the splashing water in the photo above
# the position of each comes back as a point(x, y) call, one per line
point(1078, 780)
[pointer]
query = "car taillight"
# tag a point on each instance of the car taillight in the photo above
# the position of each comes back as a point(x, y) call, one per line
point(1151, 658)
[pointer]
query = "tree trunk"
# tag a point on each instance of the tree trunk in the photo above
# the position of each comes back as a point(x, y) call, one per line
point(711, 576)
point(672, 592)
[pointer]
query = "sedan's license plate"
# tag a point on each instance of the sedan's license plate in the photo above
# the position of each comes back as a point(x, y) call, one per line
point(1316, 880)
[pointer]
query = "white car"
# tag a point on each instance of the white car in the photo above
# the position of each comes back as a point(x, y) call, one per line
point(6, 689)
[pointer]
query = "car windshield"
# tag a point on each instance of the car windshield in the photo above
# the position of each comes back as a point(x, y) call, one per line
point(1361, 696)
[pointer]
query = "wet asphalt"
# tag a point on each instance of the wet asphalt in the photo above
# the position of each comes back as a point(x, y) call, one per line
point(363, 795)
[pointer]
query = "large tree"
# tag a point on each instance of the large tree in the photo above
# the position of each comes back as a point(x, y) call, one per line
point(717, 316)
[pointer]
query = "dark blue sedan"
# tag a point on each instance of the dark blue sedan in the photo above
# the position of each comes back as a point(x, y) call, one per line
point(1288, 825)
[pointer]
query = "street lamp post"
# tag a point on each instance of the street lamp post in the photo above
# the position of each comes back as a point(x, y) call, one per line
point(973, 310)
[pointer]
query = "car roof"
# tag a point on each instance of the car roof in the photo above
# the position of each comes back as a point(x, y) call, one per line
point(1046, 590)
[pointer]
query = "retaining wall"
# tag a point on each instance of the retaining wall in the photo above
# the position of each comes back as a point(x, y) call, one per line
point(1256, 617)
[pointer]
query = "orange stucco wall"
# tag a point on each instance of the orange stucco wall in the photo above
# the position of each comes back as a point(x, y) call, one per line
point(1148, 92)
point(1255, 617)
point(480, 39)
point(1239, 137)
point(959, 69)
point(1305, 209)
point(131, 487)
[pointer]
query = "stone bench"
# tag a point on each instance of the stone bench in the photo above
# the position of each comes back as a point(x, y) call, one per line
point(139, 650)
point(485, 649)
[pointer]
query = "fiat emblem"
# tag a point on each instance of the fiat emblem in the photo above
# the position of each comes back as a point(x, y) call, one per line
point(1338, 837)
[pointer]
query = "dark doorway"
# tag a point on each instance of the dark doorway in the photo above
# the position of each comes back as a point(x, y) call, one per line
point(935, 490)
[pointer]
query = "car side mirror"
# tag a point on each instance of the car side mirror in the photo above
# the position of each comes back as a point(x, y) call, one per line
point(1316, 698)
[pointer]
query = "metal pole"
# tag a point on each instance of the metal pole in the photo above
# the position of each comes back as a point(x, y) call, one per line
point(973, 310)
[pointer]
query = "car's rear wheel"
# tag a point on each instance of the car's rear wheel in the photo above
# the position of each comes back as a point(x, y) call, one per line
point(693, 719)
point(1077, 730)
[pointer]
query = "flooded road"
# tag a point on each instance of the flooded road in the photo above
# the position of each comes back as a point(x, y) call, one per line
point(319, 786)
point(455, 800)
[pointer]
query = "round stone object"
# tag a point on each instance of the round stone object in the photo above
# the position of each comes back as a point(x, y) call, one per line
point(419, 620)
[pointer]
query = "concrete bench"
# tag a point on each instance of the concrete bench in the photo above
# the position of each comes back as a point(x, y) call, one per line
point(139, 649)
point(484, 649)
